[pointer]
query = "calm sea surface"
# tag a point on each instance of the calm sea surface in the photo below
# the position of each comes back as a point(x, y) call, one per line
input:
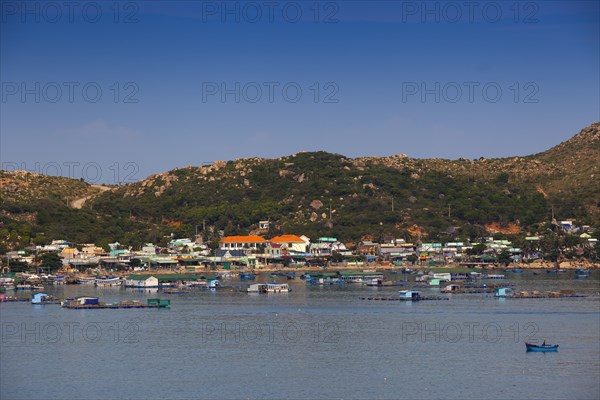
point(315, 342)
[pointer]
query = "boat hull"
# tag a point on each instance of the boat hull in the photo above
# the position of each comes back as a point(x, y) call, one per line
point(538, 348)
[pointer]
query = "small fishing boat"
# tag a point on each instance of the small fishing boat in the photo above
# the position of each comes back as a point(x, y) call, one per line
point(582, 273)
point(541, 347)
point(107, 281)
point(517, 270)
point(551, 271)
point(86, 280)
point(176, 291)
point(247, 276)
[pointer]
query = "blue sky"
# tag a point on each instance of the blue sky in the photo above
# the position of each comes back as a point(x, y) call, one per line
point(186, 83)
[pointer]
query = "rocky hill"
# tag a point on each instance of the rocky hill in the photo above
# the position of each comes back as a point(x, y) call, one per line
point(319, 194)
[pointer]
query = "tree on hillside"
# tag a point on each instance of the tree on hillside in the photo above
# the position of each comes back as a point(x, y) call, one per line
point(504, 257)
point(477, 250)
point(51, 261)
point(19, 266)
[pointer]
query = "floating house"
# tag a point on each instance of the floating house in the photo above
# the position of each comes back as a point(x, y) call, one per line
point(39, 298)
point(268, 288)
point(277, 287)
point(257, 288)
point(503, 292)
point(86, 300)
point(410, 294)
point(443, 276)
point(359, 276)
point(141, 281)
point(452, 288)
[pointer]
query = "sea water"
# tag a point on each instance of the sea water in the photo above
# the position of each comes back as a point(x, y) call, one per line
point(315, 342)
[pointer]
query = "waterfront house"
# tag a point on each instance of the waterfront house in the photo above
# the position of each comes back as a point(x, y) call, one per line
point(443, 276)
point(503, 292)
point(451, 288)
point(248, 244)
point(359, 276)
point(39, 298)
point(410, 294)
point(141, 281)
point(325, 246)
point(293, 243)
point(275, 251)
point(257, 288)
point(230, 253)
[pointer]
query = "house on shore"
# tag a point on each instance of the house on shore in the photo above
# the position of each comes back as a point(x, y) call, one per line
point(294, 244)
point(141, 281)
point(248, 244)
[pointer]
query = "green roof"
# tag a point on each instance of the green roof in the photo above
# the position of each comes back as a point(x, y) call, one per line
point(323, 274)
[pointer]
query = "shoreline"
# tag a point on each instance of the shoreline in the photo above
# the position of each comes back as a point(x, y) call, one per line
point(567, 266)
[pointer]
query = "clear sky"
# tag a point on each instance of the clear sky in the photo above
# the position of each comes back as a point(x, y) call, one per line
point(115, 91)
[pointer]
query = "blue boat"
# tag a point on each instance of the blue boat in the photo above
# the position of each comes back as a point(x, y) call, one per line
point(517, 270)
point(247, 276)
point(551, 271)
point(582, 273)
point(541, 347)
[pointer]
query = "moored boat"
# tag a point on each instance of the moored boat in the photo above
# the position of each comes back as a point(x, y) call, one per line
point(247, 276)
point(108, 281)
point(582, 273)
point(95, 303)
point(86, 280)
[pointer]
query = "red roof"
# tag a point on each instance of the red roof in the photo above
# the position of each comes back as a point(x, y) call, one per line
point(243, 239)
point(287, 239)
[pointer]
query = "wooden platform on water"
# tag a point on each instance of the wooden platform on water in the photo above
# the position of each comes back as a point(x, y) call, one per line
point(112, 306)
point(13, 300)
point(402, 298)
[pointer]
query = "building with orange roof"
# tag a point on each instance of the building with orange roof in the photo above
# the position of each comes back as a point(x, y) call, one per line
point(248, 244)
point(293, 243)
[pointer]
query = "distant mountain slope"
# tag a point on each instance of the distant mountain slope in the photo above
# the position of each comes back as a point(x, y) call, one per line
point(323, 194)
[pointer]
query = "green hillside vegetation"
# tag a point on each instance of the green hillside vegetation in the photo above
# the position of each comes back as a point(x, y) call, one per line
point(433, 199)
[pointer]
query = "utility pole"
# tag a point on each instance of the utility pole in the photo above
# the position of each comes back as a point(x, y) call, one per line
point(392, 203)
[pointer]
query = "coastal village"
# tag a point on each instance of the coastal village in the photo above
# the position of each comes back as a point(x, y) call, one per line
point(290, 251)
